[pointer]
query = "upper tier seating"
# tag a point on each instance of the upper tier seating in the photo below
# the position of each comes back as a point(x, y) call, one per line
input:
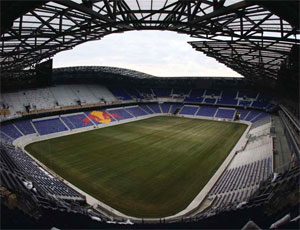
point(85, 93)
point(145, 92)
point(16, 102)
point(195, 100)
point(210, 100)
point(244, 103)
point(177, 91)
point(261, 103)
point(195, 96)
point(212, 92)
point(228, 98)
point(160, 92)
point(64, 96)
point(40, 98)
point(120, 93)
point(197, 93)
point(51, 125)
point(133, 93)
point(102, 93)
point(247, 94)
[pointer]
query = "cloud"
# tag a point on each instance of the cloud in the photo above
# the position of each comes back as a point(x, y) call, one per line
point(158, 53)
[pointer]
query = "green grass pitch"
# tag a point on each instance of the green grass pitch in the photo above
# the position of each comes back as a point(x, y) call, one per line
point(148, 168)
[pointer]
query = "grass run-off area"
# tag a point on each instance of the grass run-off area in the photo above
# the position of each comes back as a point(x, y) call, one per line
point(147, 168)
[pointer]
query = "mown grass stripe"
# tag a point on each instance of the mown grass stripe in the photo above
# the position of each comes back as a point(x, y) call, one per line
point(148, 168)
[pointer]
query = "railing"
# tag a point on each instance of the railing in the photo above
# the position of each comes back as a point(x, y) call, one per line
point(290, 134)
point(291, 117)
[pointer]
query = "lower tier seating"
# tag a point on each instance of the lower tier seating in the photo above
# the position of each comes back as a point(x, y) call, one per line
point(48, 126)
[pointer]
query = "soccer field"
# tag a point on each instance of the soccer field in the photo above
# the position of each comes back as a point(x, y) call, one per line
point(148, 168)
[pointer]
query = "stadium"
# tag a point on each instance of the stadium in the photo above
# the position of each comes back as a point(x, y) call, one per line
point(88, 147)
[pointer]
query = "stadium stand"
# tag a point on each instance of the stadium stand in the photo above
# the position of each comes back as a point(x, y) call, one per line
point(252, 115)
point(76, 96)
point(180, 92)
point(6, 138)
point(160, 92)
point(247, 94)
point(146, 93)
point(208, 100)
point(44, 100)
point(260, 103)
point(133, 93)
point(189, 110)
point(245, 103)
point(19, 163)
point(213, 92)
point(10, 130)
point(165, 107)
point(24, 126)
point(243, 113)
point(120, 94)
point(225, 113)
point(238, 183)
point(146, 109)
point(154, 107)
point(175, 107)
point(50, 125)
point(228, 98)
point(206, 111)
point(119, 114)
point(64, 96)
point(261, 116)
point(195, 96)
point(76, 121)
point(136, 111)
point(257, 184)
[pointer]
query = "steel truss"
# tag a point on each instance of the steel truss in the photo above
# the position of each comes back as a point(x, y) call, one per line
point(250, 59)
point(245, 36)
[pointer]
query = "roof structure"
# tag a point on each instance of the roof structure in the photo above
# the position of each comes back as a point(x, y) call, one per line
point(250, 59)
point(251, 37)
point(104, 69)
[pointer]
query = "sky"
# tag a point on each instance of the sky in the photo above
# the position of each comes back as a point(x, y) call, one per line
point(159, 53)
